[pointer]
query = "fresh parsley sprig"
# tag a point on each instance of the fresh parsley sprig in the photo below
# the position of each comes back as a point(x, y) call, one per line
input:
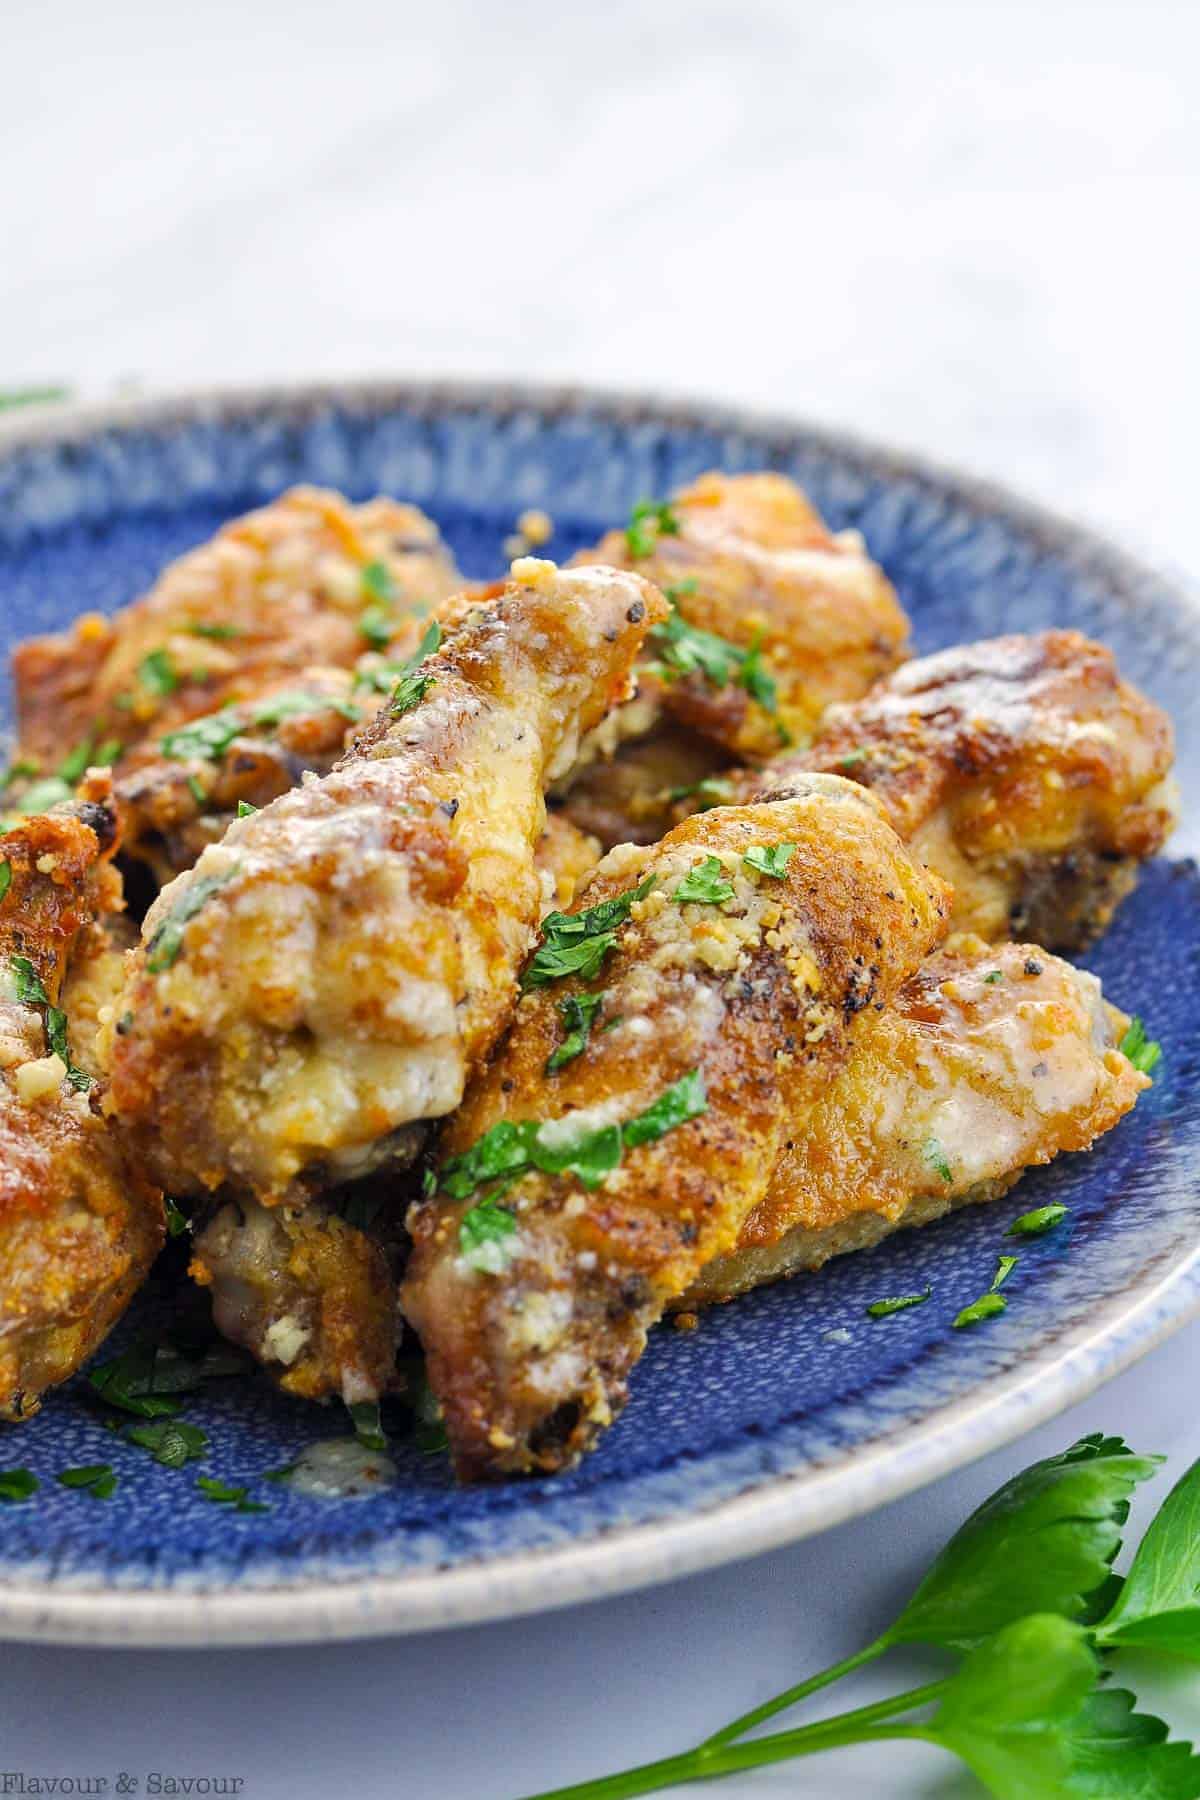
point(1023, 1594)
point(577, 943)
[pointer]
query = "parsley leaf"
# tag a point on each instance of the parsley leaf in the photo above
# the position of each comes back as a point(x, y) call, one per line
point(994, 976)
point(75, 762)
point(577, 943)
point(1044, 1542)
point(760, 684)
point(936, 1157)
point(1004, 1268)
point(167, 942)
point(157, 673)
point(5, 877)
point(31, 992)
point(377, 583)
point(51, 791)
point(685, 1099)
point(221, 1494)
point(1116, 1753)
point(986, 1307)
point(172, 1442)
point(375, 624)
point(1159, 1603)
point(485, 1235)
point(413, 686)
point(649, 520)
point(244, 809)
point(883, 1309)
point(706, 884)
point(145, 1379)
point(769, 859)
point(205, 628)
point(712, 790)
point(99, 1479)
point(368, 1425)
point(577, 1013)
point(1143, 1052)
point(209, 737)
point(687, 649)
point(1042, 1218)
point(17, 1484)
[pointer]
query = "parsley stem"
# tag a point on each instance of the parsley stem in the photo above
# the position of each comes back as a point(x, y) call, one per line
point(867, 1724)
point(790, 1696)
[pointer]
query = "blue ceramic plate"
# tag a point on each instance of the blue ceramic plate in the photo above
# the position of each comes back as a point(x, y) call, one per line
point(789, 1410)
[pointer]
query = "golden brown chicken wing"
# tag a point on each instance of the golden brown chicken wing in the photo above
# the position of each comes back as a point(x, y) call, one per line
point(79, 1226)
point(308, 581)
point(331, 971)
point(1023, 769)
point(989, 1061)
point(703, 994)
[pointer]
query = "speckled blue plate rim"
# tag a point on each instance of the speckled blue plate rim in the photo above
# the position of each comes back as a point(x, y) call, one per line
point(765, 1509)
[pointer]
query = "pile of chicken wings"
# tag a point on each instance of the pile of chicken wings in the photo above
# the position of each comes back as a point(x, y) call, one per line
point(525, 961)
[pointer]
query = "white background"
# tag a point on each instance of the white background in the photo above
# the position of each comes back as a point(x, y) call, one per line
point(970, 229)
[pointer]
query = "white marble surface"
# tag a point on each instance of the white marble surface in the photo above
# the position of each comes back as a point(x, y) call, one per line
point(968, 228)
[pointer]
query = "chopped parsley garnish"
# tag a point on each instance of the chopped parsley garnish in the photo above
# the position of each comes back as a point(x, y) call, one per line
point(935, 1156)
point(177, 1220)
point(75, 762)
point(244, 809)
point(99, 1479)
point(171, 1442)
point(368, 1426)
point(146, 1378)
point(649, 520)
point(157, 673)
point(577, 1013)
point(202, 628)
point(375, 624)
point(558, 1147)
point(688, 650)
point(413, 686)
point(377, 583)
point(5, 877)
point(759, 684)
point(1143, 1052)
point(712, 790)
point(17, 1484)
point(1042, 1218)
point(994, 976)
point(577, 943)
point(705, 885)
point(50, 791)
point(197, 790)
point(107, 753)
point(1004, 1268)
point(31, 992)
point(852, 758)
point(210, 737)
point(167, 941)
point(769, 859)
point(986, 1307)
point(485, 1236)
point(883, 1309)
point(221, 1494)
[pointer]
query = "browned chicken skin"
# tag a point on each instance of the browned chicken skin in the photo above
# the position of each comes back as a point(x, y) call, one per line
point(1023, 769)
point(331, 972)
point(308, 581)
point(79, 1225)
point(988, 1061)
point(533, 1307)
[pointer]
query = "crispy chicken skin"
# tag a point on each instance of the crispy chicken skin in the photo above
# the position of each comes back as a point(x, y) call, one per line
point(1023, 769)
point(272, 593)
point(766, 571)
point(79, 1226)
point(755, 997)
point(332, 971)
point(989, 1061)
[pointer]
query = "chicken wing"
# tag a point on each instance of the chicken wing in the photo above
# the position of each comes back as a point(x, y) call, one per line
point(308, 580)
point(989, 1061)
point(773, 618)
point(331, 972)
point(1023, 769)
point(704, 992)
point(79, 1226)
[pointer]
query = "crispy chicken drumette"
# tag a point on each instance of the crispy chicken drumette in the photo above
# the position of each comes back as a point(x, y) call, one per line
point(990, 1060)
point(308, 581)
point(332, 971)
point(702, 995)
point(79, 1225)
point(1023, 769)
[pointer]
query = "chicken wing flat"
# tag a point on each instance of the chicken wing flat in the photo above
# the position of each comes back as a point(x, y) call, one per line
point(331, 972)
point(989, 1061)
point(1023, 769)
point(703, 993)
point(79, 1226)
point(308, 581)
point(774, 617)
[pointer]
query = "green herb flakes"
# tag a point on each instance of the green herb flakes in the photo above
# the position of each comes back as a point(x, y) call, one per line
point(649, 520)
point(936, 1157)
point(5, 876)
point(205, 628)
point(17, 1485)
point(485, 1238)
point(769, 859)
point(705, 885)
point(986, 1307)
point(97, 1479)
point(577, 943)
point(368, 1425)
point(1042, 1218)
point(221, 1494)
point(1004, 1268)
point(177, 1220)
point(377, 583)
point(883, 1309)
point(167, 941)
point(1143, 1052)
point(244, 809)
point(413, 685)
point(157, 674)
point(577, 1014)
point(75, 762)
point(171, 1442)
point(375, 624)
